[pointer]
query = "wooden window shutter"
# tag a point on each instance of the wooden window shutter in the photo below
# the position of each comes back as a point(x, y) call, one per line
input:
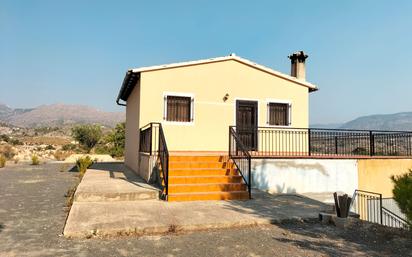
point(279, 114)
point(289, 114)
point(179, 108)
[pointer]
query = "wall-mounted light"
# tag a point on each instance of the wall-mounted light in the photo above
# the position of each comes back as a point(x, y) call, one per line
point(226, 97)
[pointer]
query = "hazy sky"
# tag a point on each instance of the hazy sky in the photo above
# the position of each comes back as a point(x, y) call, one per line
point(360, 52)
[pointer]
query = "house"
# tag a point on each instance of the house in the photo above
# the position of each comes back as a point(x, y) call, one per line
point(195, 102)
point(213, 128)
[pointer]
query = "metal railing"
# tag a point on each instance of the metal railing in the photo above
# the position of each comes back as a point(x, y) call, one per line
point(241, 158)
point(303, 142)
point(153, 142)
point(368, 205)
point(390, 219)
point(164, 160)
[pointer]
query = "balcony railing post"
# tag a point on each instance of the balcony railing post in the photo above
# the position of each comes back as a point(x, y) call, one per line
point(309, 143)
point(336, 145)
point(150, 136)
point(250, 178)
point(230, 141)
point(380, 202)
point(372, 144)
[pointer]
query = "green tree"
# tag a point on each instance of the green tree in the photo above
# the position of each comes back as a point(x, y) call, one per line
point(402, 193)
point(87, 135)
point(117, 140)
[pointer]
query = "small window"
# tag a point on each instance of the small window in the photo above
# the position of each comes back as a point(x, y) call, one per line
point(279, 114)
point(179, 108)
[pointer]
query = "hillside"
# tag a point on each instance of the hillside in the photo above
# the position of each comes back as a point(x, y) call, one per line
point(7, 112)
point(397, 121)
point(58, 115)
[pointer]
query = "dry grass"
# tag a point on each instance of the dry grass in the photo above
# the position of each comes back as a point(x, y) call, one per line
point(2, 161)
point(35, 160)
point(61, 155)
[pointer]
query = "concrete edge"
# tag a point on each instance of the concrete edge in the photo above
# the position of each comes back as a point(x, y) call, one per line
point(176, 229)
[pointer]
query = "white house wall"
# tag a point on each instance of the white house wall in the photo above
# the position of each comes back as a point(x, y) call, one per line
point(305, 175)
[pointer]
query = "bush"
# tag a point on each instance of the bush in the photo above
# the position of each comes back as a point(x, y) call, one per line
point(87, 135)
point(60, 155)
point(2, 161)
point(15, 141)
point(402, 193)
point(7, 151)
point(35, 160)
point(83, 164)
point(113, 143)
point(69, 147)
point(117, 140)
point(49, 147)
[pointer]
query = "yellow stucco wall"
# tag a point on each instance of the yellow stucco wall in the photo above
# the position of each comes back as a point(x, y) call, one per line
point(208, 84)
point(132, 129)
point(374, 174)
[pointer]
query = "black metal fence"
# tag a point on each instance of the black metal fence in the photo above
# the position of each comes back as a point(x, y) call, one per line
point(241, 158)
point(302, 142)
point(370, 208)
point(153, 142)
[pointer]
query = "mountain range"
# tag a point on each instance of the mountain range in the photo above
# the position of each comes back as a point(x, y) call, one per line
point(395, 121)
point(58, 115)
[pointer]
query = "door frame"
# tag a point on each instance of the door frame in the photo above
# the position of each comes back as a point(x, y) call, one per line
point(255, 102)
point(236, 99)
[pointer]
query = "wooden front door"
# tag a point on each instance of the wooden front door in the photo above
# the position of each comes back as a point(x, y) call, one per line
point(247, 122)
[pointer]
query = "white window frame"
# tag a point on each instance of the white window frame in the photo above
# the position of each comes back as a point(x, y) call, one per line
point(279, 101)
point(192, 108)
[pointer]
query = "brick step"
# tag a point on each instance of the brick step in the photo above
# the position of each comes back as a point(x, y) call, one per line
point(198, 158)
point(239, 195)
point(204, 179)
point(213, 165)
point(202, 172)
point(211, 187)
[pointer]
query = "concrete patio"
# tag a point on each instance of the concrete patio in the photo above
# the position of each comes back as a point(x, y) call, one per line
point(110, 201)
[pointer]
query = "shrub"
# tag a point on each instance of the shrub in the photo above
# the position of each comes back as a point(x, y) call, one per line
point(15, 141)
point(35, 160)
point(402, 193)
point(2, 161)
point(4, 138)
point(49, 147)
point(60, 155)
point(83, 164)
point(113, 143)
point(7, 151)
point(69, 147)
point(87, 135)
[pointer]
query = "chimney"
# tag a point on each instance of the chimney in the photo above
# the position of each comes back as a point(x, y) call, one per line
point(298, 65)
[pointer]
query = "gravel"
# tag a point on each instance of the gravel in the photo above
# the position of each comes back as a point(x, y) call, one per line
point(33, 213)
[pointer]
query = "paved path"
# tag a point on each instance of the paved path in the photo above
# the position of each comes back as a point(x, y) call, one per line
point(107, 203)
point(32, 217)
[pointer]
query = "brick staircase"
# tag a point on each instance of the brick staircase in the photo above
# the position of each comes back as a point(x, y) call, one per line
point(199, 178)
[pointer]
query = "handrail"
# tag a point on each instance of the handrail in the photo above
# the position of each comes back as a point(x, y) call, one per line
point(164, 160)
point(369, 206)
point(243, 163)
point(393, 219)
point(331, 129)
point(278, 142)
point(153, 142)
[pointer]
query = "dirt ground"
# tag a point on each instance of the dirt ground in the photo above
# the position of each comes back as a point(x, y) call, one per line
point(32, 217)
